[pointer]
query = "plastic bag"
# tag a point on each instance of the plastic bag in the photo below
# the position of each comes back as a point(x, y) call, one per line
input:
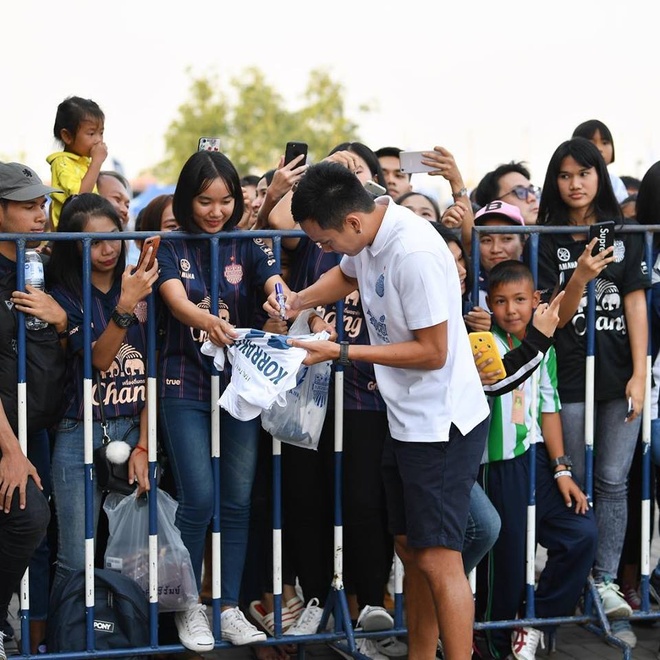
point(300, 421)
point(128, 549)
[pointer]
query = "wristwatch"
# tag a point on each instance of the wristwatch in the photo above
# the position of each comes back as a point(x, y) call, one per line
point(123, 320)
point(460, 193)
point(343, 354)
point(566, 461)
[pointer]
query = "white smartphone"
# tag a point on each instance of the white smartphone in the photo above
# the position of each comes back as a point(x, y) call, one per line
point(375, 189)
point(208, 144)
point(411, 162)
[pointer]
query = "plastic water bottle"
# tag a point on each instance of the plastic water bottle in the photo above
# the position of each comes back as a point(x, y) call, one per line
point(34, 276)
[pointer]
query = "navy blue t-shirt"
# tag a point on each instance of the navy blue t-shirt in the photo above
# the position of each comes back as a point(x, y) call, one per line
point(124, 384)
point(244, 267)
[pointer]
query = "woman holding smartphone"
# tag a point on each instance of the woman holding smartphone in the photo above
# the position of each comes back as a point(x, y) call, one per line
point(208, 200)
point(577, 192)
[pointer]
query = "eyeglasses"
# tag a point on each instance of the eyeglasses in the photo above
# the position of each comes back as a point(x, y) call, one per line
point(522, 192)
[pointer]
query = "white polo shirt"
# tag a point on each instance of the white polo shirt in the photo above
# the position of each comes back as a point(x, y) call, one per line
point(408, 281)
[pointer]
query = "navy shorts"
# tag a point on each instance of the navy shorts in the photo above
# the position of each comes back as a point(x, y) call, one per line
point(428, 484)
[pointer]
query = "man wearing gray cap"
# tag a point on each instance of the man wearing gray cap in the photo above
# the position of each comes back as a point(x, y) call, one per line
point(24, 511)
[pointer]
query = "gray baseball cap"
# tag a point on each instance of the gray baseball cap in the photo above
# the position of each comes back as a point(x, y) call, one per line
point(20, 183)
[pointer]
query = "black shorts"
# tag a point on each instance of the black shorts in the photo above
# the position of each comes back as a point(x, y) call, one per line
point(428, 484)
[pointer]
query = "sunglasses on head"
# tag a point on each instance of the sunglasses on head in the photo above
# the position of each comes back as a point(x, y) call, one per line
point(522, 192)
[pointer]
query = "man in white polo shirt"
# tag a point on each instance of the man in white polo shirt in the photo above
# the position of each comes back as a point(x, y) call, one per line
point(436, 407)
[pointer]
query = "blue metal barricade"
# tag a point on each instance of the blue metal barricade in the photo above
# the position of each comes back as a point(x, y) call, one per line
point(593, 616)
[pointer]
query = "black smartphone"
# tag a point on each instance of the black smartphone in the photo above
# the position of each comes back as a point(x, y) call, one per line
point(604, 232)
point(294, 149)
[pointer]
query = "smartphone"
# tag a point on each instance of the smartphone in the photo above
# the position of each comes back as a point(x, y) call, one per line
point(484, 343)
point(411, 162)
point(208, 144)
point(151, 241)
point(631, 409)
point(604, 232)
point(375, 189)
point(294, 149)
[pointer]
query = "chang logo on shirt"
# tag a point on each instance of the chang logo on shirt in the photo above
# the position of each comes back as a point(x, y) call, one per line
point(379, 326)
point(128, 366)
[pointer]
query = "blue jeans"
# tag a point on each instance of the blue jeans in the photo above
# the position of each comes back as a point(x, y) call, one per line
point(483, 528)
point(68, 474)
point(186, 433)
point(614, 447)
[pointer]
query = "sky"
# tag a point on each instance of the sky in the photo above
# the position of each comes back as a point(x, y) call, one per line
point(489, 81)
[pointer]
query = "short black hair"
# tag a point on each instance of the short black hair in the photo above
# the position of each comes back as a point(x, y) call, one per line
point(388, 151)
point(508, 271)
point(488, 189)
point(631, 182)
point(250, 180)
point(327, 193)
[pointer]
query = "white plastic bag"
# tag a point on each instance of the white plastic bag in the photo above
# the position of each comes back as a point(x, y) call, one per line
point(300, 420)
point(128, 549)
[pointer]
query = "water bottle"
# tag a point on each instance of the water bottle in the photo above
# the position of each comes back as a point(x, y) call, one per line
point(34, 276)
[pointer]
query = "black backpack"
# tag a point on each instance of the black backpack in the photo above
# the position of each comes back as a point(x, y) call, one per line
point(121, 618)
point(45, 366)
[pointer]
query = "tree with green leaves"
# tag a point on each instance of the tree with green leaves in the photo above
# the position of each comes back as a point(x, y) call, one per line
point(255, 127)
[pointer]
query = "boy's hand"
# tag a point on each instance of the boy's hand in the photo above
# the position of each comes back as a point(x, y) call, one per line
point(546, 316)
point(570, 491)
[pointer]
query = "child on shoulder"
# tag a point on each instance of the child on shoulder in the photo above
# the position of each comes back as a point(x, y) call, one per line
point(79, 125)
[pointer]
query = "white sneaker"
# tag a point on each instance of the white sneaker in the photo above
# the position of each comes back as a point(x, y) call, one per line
point(391, 647)
point(235, 628)
point(614, 604)
point(374, 618)
point(193, 628)
point(621, 629)
point(525, 641)
point(3, 654)
point(309, 620)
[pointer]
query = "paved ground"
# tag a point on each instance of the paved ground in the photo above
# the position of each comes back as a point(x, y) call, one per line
point(573, 642)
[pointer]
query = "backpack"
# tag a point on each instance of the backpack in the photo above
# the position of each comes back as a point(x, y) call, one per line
point(45, 366)
point(121, 618)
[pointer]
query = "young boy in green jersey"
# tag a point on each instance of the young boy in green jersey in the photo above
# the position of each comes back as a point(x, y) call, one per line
point(565, 524)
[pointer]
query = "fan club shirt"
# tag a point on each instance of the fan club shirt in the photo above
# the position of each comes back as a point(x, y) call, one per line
point(557, 258)
point(244, 267)
point(124, 383)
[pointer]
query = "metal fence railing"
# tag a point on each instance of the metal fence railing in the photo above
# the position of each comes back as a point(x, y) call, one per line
point(593, 617)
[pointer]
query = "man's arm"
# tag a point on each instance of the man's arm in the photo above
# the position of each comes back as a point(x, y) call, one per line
point(15, 468)
point(427, 350)
point(332, 286)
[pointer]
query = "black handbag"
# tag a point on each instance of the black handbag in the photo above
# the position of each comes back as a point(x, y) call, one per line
point(112, 476)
